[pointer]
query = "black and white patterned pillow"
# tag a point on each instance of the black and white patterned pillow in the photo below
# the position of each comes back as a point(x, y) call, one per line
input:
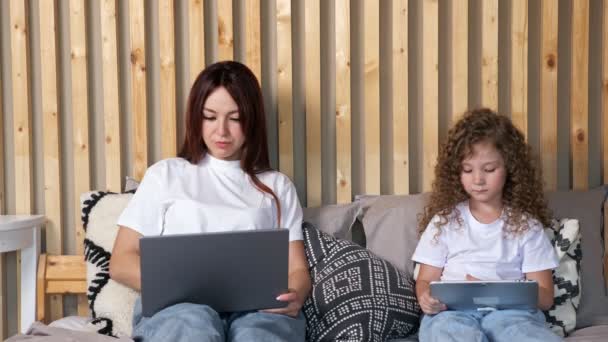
point(111, 303)
point(565, 237)
point(356, 296)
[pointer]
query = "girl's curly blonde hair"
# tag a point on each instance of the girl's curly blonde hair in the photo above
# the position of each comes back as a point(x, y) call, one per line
point(523, 196)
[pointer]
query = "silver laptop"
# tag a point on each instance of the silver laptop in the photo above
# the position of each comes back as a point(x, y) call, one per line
point(229, 271)
point(486, 295)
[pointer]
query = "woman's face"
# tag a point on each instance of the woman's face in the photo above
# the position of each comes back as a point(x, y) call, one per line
point(222, 131)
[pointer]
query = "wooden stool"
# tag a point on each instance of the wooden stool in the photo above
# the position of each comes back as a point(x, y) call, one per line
point(59, 275)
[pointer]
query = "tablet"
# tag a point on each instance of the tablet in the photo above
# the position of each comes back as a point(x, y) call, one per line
point(487, 295)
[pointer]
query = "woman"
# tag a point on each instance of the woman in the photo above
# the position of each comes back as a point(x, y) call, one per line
point(221, 180)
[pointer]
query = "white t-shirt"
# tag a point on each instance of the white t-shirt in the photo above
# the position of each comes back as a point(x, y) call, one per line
point(483, 250)
point(177, 197)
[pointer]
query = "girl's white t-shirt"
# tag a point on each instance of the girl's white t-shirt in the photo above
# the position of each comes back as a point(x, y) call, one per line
point(483, 250)
point(177, 197)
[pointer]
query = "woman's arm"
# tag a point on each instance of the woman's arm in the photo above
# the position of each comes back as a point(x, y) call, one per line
point(299, 281)
point(545, 288)
point(426, 275)
point(125, 264)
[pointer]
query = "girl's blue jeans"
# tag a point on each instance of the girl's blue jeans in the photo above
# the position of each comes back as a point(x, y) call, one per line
point(194, 322)
point(499, 326)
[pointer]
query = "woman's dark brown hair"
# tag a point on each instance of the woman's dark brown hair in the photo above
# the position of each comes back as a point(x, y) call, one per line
point(522, 196)
point(244, 88)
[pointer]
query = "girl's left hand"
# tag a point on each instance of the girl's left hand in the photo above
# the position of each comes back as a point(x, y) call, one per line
point(293, 307)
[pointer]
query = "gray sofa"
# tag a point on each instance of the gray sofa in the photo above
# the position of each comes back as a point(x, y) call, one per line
point(386, 225)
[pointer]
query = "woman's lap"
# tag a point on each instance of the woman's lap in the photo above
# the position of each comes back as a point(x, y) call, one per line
point(188, 321)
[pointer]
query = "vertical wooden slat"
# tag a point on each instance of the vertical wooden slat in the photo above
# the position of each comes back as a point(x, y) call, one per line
point(167, 79)
point(519, 64)
point(225, 39)
point(110, 95)
point(21, 118)
point(313, 102)
point(50, 122)
point(489, 53)
point(2, 204)
point(139, 142)
point(548, 92)
point(253, 49)
point(459, 63)
point(284, 87)
point(430, 91)
point(80, 112)
point(401, 178)
point(197, 38)
point(579, 101)
point(605, 94)
point(343, 103)
point(372, 96)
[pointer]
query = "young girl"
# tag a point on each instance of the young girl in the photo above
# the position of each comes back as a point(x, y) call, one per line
point(484, 221)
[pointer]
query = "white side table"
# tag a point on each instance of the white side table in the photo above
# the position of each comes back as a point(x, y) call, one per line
point(22, 232)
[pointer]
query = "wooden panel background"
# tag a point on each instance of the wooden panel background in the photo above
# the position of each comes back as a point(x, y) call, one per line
point(92, 91)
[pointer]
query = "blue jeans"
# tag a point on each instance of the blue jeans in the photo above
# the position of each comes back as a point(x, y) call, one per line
point(194, 322)
point(499, 326)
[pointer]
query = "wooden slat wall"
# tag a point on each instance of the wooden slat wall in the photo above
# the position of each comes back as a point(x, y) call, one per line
point(400, 88)
point(371, 113)
point(313, 101)
point(519, 64)
point(21, 116)
point(548, 92)
point(343, 102)
point(162, 55)
point(253, 49)
point(285, 87)
point(489, 53)
point(197, 37)
point(604, 92)
point(459, 81)
point(579, 100)
point(110, 94)
point(50, 119)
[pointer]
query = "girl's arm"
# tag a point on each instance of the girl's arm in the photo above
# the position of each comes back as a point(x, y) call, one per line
point(426, 275)
point(124, 264)
point(299, 281)
point(545, 288)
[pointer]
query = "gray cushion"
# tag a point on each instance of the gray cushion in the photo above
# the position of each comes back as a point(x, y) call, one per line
point(398, 236)
point(586, 206)
point(335, 220)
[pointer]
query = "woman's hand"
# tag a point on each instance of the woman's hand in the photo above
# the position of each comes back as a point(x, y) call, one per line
point(294, 304)
point(430, 305)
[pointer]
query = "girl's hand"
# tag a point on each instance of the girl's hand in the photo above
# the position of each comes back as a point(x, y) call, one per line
point(430, 305)
point(293, 307)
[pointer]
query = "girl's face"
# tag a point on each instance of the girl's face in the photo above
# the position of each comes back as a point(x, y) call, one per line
point(483, 174)
point(222, 131)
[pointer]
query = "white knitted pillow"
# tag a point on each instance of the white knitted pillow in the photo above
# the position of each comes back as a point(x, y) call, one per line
point(111, 303)
point(565, 237)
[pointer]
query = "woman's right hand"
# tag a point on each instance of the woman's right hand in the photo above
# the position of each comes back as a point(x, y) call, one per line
point(430, 305)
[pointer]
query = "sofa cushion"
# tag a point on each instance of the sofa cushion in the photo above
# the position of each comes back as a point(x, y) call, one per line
point(565, 237)
point(111, 303)
point(335, 220)
point(586, 207)
point(356, 296)
point(390, 225)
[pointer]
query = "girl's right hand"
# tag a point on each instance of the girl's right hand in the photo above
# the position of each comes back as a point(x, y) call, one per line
point(430, 305)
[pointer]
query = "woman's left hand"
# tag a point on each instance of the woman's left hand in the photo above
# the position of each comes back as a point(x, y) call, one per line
point(294, 304)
